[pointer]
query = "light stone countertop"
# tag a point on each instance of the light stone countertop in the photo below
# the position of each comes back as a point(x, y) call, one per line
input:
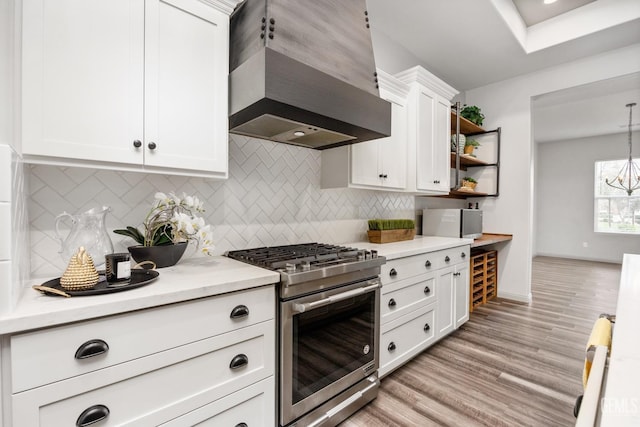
point(190, 279)
point(621, 403)
point(419, 245)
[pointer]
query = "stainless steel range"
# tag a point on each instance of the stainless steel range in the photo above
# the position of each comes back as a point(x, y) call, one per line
point(328, 322)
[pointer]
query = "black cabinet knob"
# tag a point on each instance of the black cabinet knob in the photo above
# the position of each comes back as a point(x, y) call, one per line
point(242, 425)
point(91, 348)
point(427, 290)
point(239, 361)
point(392, 302)
point(380, 176)
point(447, 259)
point(427, 264)
point(92, 415)
point(393, 272)
point(426, 327)
point(137, 143)
point(239, 312)
point(392, 346)
point(385, 176)
point(463, 255)
point(152, 145)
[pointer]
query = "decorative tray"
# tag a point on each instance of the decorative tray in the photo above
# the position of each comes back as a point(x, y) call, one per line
point(139, 277)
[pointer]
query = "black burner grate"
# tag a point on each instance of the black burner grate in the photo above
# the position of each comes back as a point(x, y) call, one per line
point(276, 257)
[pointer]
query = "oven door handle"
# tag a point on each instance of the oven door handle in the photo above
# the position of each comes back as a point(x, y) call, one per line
point(301, 308)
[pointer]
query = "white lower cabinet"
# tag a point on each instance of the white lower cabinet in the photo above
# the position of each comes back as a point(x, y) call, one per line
point(251, 406)
point(424, 297)
point(211, 377)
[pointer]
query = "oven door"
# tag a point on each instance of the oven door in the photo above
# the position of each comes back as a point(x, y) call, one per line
point(329, 341)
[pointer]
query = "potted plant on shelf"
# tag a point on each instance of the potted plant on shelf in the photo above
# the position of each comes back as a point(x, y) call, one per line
point(470, 145)
point(473, 114)
point(468, 184)
point(391, 230)
point(169, 226)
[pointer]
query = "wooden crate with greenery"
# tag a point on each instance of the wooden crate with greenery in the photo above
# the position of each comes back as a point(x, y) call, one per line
point(391, 230)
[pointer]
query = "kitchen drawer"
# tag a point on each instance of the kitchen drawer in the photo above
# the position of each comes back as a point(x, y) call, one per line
point(405, 337)
point(404, 268)
point(157, 388)
point(48, 355)
point(253, 406)
point(405, 296)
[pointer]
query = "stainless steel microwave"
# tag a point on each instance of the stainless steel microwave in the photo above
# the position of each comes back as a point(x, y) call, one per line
point(452, 222)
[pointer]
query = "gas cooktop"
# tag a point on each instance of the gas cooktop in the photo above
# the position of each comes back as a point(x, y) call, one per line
point(308, 261)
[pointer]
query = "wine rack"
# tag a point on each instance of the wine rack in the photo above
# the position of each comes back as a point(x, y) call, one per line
point(483, 277)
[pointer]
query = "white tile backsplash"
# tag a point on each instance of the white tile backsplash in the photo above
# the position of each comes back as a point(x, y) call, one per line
point(272, 197)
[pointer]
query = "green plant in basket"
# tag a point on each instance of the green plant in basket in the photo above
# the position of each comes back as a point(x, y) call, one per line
point(391, 224)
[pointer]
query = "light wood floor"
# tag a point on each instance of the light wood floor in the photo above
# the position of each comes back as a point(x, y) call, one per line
point(512, 364)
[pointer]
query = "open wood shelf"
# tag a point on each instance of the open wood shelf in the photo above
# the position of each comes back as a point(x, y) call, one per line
point(466, 160)
point(457, 194)
point(466, 126)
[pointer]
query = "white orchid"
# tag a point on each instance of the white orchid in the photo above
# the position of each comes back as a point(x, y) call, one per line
point(172, 219)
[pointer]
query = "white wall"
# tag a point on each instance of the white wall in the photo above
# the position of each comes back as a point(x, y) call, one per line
point(14, 259)
point(508, 104)
point(565, 206)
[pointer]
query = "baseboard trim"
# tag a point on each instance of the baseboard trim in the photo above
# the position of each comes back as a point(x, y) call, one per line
point(579, 258)
point(515, 297)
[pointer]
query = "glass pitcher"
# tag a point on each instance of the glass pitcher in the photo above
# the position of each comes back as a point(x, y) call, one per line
point(87, 229)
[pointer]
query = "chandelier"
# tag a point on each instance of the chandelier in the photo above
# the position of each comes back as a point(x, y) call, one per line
point(628, 178)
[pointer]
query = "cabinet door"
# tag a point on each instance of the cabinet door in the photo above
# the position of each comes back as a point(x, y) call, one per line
point(425, 178)
point(393, 149)
point(461, 292)
point(445, 317)
point(441, 162)
point(82, 79)
point(365, 169)
point(186, 68)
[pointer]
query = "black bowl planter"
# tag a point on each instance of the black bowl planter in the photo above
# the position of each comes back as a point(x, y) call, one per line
point(162, 256)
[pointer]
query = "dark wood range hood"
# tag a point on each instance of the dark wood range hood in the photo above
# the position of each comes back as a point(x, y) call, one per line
point(303, 73)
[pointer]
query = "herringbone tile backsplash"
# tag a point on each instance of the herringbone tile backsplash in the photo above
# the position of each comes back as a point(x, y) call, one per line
point(272, 197)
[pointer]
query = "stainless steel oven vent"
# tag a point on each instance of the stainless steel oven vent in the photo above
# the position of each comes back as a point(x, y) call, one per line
point(305, 63)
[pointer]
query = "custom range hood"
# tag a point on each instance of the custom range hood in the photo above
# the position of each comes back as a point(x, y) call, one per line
point(303, 73)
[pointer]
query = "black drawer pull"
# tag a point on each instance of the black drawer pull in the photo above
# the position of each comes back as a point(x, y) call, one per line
point(427, 264)
point(463, 255)
point(152, 145)
point(239, 312)
point(426, 327)
point(239, 361)
point(392, 346)
point(91, 348)
point(393, 272)
point(137, 143)
point(447, 259)
point(427, 290)
point(92, 415)
point(392, 302)
point(242, 425)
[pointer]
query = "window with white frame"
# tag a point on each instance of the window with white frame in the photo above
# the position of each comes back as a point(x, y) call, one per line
point(614, 210)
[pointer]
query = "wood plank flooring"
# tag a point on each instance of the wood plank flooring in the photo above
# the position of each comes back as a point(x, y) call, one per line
point(512, 364)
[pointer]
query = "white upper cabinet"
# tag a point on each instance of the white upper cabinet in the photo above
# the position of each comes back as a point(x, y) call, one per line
point(379, 163)
point(429, 132)
point(133, 85)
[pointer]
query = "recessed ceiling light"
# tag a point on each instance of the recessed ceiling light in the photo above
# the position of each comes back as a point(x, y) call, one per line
point(549, 1)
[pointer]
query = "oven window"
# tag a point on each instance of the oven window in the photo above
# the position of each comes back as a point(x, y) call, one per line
point(330, 342)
